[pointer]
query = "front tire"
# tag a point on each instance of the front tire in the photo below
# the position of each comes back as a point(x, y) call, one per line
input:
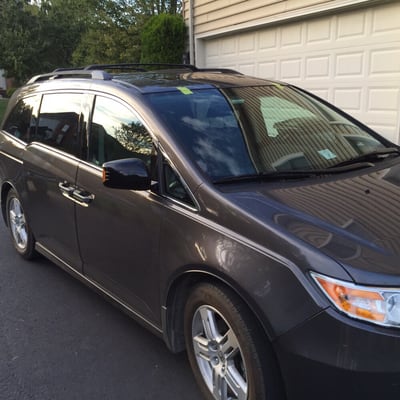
point(228, 352)
point(21, 233)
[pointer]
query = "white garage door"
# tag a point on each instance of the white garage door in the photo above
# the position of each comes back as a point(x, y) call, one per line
point(351, 59)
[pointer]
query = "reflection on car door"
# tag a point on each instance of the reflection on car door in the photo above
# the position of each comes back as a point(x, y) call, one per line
point(119, 231)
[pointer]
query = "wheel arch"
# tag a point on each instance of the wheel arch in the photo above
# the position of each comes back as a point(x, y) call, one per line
point(175, 299)
point(5, 188)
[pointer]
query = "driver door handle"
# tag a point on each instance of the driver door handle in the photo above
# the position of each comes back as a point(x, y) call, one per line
point(82, 197)
point(66, 188)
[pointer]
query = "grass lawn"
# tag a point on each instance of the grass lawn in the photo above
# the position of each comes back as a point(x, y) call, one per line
point(3, 105)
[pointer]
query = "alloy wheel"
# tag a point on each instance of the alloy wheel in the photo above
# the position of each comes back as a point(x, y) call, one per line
point(219, 355)
point(18, 224)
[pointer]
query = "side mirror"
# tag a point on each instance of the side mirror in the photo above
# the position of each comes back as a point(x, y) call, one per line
point(129, 173)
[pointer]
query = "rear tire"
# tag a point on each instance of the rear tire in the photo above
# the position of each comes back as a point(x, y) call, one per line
point(230, 355)
point(21, 234)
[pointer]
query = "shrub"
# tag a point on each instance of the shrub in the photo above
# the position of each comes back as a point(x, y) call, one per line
point(163, 39)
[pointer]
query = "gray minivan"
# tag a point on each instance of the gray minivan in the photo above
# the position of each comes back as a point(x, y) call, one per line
point(243, 220)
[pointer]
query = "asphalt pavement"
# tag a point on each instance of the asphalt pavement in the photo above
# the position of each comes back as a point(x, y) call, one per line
point(59, 340)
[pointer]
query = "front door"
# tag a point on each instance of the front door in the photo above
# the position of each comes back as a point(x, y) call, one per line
point(119, 230)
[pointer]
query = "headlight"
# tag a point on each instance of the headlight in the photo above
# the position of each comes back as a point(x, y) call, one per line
point(375, 304)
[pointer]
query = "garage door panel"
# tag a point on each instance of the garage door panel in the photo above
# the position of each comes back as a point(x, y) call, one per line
point(247, 43)
point(383, 99)
point(351, 25)
point(291, 69)
point(319, 31)
point(349, 99)
point(318, 67)
point(349, 64)
point(267, 69)
point(291, 36)
point(267, 39)
point(248, 69)
point(386, 20)
point(385, 61)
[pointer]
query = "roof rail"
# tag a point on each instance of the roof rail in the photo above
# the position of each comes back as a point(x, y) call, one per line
point(96, 71)
point(139, 66)
point(221, 70)
point(68, 69)
point(71, 73)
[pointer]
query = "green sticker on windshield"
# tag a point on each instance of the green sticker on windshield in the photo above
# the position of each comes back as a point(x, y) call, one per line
point(327, 154)
point(184, 90)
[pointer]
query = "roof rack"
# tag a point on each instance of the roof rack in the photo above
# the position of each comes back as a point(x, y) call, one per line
point(68, 69)
point(97, 71)
point(140, 66)
point(74, 73)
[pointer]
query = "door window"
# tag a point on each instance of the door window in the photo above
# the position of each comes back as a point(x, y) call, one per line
point(116, 133)
point(59, 121)
point(22, 121)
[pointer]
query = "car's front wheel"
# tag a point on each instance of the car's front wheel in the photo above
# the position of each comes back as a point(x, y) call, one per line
point(229, 354)
point(21, 234)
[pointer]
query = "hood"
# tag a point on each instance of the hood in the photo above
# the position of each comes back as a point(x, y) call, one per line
point(354, 220)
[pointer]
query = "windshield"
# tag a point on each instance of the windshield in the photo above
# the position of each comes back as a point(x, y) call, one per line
point(258, 130)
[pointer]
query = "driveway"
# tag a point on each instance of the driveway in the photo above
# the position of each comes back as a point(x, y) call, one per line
point(61, 341)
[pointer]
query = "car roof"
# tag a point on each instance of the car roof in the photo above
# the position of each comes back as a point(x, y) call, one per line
point(153, 78)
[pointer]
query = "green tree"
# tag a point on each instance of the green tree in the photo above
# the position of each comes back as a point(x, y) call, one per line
point(163, 39)
point(62, 24)
point(19, 31)
point(156, 7)
point(112, 34)
point(41, 36)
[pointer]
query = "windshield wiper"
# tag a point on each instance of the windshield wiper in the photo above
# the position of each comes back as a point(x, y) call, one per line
point(377, 155)
point(275, 175)
point(293, 174)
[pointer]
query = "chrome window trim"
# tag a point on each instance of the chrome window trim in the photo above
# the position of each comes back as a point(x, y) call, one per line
point(11, 157)
point(10, 135)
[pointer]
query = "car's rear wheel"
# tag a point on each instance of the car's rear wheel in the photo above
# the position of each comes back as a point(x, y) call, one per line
point(21, 234)
point(229, 354)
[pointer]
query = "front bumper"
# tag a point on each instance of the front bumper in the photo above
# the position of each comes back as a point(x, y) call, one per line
point(334, 357)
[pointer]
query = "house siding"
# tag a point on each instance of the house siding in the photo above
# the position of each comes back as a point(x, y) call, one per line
point(217, 15)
